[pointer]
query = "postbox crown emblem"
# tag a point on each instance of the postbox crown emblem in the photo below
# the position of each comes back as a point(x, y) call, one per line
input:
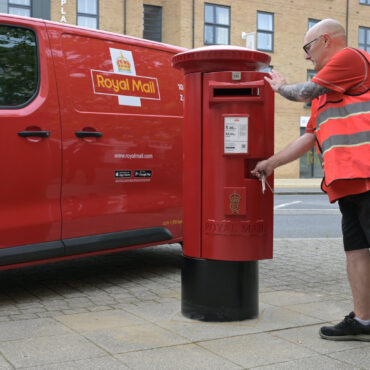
point(235, 202)
point(123, 64)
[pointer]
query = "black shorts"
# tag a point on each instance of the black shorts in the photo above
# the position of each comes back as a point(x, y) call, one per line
point(355, 221)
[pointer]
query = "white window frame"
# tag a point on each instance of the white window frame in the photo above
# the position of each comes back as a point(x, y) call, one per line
point(366, 44)
point(88, 15)
point(311, 22)
point(215, 26)
point(261, 31)
point(14, 5)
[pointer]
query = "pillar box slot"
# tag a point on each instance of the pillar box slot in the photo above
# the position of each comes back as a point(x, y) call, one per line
point(235, 92)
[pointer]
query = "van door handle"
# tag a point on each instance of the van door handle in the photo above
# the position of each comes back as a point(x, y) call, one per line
point(34, 133)
point(89, 134)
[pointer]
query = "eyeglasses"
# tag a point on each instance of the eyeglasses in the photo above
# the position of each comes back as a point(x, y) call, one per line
point(307, 46)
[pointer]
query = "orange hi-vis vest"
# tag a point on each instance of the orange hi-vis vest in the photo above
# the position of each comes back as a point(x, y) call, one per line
point(343, 137)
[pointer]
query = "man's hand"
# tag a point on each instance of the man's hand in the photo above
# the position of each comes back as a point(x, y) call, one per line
point(276, 80)
point(263, 167)
point(293, 151)
point(302, 92)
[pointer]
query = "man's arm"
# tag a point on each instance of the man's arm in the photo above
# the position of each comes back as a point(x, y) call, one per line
point(303, 92)
point(293, 151)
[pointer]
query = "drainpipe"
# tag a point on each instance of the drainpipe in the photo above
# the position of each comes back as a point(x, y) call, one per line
point(193, 20)
point(124, 17)
point(347, 16)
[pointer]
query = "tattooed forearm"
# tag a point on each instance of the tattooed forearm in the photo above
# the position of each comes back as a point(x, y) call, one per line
point(304, 92)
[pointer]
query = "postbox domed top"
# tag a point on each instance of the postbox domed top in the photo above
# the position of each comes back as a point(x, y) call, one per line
point(220, 58)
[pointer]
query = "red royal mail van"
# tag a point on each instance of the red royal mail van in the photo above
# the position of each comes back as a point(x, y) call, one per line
point(90, 140)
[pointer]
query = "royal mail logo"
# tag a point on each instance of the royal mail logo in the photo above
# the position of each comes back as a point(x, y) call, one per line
point(123, 81)
point(110, 83)
point(123, 64)
point(235, 202)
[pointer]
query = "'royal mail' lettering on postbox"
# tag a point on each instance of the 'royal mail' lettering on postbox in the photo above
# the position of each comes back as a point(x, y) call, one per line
point(241, 228)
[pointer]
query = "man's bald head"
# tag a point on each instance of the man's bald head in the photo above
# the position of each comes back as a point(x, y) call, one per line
point(324, 40)
point(330, 27)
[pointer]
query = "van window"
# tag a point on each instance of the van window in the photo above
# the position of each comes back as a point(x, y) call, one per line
point(18, 66)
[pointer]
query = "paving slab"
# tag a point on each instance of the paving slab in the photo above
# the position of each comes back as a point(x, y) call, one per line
point(99, 363)
point(308, 337)
point(196, 331)
point(184, 357)
point(4, 365)
point(309, 363)
point(48, 350)
point(273, 318)
point(134, 338)
point(288, 298)
point(334, 310)
point(358, 357)
point(23, 329)
point(99, 320)
point(256, 349)
point(153, 311)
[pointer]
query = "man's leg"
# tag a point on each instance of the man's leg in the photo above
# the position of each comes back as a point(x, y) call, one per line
point(358, 269)
point(356, 239)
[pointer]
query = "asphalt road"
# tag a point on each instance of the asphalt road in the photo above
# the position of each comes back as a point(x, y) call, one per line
point(306, 216)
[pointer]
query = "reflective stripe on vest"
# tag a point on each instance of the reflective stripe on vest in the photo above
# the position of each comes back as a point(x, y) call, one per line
point(346, 111)
point(334, 141)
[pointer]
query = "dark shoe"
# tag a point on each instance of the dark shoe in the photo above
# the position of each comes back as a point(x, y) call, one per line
point(348, 329)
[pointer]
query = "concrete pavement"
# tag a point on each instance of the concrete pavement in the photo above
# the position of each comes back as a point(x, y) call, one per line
point(122, 311)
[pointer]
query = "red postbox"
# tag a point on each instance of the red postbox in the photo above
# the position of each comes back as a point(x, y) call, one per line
point(228, 221)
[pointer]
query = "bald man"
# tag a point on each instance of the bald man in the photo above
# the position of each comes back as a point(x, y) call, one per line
point(340, 127)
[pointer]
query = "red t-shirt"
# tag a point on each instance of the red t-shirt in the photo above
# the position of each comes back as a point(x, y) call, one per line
point(347, 71)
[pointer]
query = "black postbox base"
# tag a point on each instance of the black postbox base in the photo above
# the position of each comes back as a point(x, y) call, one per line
point(219, 290)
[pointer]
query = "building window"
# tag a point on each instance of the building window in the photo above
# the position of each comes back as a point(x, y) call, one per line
point(268, 69)
point(152, 23)
point(87, 13)
point(310, 74)
point(365, 2)
point(216, 24)
point(20, 7)
point(312, 22)
point(18, 66)
point(364, 38)
point(309, 163)
point(265, 31)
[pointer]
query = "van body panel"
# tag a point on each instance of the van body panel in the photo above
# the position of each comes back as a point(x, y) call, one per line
point(31, 166)
point(106, 174)
point(129, 177)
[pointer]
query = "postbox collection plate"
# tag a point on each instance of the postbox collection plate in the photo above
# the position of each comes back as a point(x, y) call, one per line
point(236, 134)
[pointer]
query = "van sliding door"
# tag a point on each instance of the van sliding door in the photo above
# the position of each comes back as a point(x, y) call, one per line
point(122, 140)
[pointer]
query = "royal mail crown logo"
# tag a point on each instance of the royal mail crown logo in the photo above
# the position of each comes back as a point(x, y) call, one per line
point(235, 202)
point(123, 63)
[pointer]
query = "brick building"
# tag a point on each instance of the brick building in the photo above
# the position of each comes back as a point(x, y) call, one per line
point(279, 27)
